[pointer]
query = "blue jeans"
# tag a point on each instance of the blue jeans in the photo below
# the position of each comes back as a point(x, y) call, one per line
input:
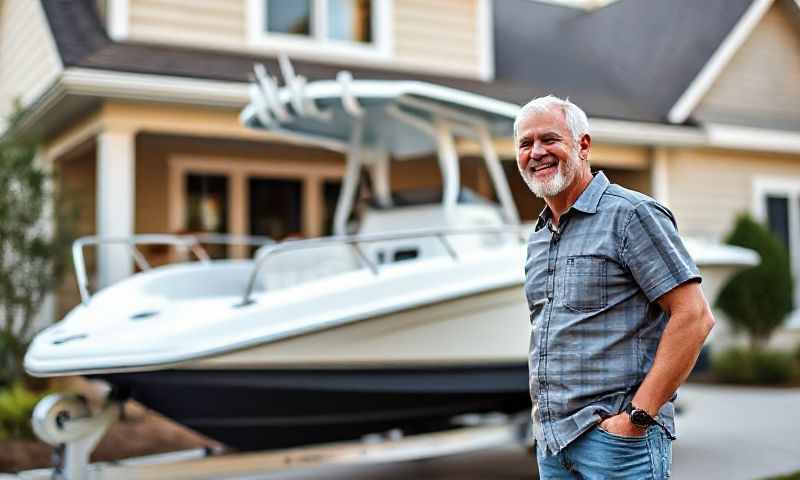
point(598, 454)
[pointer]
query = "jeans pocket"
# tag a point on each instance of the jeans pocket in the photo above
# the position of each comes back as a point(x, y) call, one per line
point(622, 438)
point(586, 283)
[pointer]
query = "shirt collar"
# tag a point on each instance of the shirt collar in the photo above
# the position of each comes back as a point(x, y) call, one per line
point(587, 201)
point(590, 197)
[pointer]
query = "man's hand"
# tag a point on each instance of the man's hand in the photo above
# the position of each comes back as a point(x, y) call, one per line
point(620, 424)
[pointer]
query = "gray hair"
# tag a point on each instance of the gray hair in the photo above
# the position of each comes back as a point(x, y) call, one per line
point(575, 118)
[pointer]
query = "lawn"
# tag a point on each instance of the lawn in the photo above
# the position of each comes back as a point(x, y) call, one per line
point(791, 476)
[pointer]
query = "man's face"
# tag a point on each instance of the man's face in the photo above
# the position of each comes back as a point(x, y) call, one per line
point(547, 157)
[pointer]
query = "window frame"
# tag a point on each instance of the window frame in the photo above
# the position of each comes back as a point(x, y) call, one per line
point(788, 187)
point(316, 44)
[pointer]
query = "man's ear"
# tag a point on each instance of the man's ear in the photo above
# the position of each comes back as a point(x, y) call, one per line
point(585, 146)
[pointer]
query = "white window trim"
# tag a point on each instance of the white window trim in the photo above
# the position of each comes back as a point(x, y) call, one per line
point(789, 187)
point(238, 172)
point(316, 44)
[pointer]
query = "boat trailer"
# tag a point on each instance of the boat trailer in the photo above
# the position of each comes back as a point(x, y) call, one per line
point(68, 422)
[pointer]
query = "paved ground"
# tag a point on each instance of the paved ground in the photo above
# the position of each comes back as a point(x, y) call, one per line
point(731, 433)
point(727, 433)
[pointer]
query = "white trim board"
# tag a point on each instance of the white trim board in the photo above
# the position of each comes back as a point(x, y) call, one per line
point(711, 70)
point(485, 43)
point(749, 138)
point(118, 19)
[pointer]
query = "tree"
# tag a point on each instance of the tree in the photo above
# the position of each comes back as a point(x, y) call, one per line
point(758, 299)
point(34, 244)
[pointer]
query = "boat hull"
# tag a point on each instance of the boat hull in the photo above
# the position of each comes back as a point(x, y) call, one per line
point(264, 409)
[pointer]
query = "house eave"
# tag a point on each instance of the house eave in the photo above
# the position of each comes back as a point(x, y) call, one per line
point(97, 85)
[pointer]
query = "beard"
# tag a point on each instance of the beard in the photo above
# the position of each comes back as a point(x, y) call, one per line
point(556, 184)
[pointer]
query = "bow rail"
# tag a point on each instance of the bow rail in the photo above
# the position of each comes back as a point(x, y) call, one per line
point(193, 244)
point(187, 243)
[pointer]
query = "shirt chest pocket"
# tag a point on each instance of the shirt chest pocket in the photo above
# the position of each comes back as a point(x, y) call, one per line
point(586, 283)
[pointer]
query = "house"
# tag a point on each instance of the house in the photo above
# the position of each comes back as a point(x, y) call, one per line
point(138, 102)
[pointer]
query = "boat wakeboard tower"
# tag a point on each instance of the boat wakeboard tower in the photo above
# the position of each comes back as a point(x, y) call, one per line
point(414, 320)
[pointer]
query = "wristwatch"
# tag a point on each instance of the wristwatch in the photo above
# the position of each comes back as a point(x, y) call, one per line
point(639, 417)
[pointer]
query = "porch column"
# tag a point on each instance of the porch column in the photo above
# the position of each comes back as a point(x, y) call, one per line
point(116, 156)
point(313, 204)
point(659, 176)
point(238, 212)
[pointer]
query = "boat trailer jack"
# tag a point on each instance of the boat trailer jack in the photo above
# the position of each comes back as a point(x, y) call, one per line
point(67, 422)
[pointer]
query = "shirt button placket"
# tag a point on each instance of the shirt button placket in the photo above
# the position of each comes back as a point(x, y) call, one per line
point(544, 404)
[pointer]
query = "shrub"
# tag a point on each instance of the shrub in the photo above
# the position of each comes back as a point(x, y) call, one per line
point(754, 367)
point(16, 408)
point(35, 232)
point(758, 299)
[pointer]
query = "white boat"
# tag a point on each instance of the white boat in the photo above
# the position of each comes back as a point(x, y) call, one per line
point(414, 319)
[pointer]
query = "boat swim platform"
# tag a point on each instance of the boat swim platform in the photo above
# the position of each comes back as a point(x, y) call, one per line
point(488, 432)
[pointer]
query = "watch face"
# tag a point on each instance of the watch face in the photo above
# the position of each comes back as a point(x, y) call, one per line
point(640, 418)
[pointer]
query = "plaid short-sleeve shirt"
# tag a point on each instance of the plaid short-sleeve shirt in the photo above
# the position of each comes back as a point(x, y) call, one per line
point(591, 286)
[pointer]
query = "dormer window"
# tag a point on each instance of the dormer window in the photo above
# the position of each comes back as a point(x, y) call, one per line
point(345, 28)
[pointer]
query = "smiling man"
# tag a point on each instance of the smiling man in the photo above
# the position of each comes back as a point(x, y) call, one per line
point(617, 311)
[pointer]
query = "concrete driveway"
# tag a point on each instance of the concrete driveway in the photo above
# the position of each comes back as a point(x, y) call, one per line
point(732, 433)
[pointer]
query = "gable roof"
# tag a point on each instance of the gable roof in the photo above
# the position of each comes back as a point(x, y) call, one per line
point(631, 60)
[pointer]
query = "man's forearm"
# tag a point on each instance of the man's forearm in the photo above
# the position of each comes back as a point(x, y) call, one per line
point(676, 355)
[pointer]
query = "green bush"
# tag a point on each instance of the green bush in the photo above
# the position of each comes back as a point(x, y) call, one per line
point(751, 367)
point(16, 408)
point(758, 299)
point(35, 234)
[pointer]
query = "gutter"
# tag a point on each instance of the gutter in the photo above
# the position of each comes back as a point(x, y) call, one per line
point(155, 88)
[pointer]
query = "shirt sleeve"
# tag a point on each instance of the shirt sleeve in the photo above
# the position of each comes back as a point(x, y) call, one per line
point(654, 253)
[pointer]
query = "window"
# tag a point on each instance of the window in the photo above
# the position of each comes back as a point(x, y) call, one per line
point(350, 20)
point(345, 28)
point(778, 218)
point(288, 16)
point(207, 208)
point(778, 206)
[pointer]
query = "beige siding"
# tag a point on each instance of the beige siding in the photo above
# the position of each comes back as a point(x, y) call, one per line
point(708, 188)
point(638, 180)
point(428, 35)
point(29, 62)
point(437, 33)
point(209, 23)
point(761, 84)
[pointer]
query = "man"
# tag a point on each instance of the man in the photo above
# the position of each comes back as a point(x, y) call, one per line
point(618, 314)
